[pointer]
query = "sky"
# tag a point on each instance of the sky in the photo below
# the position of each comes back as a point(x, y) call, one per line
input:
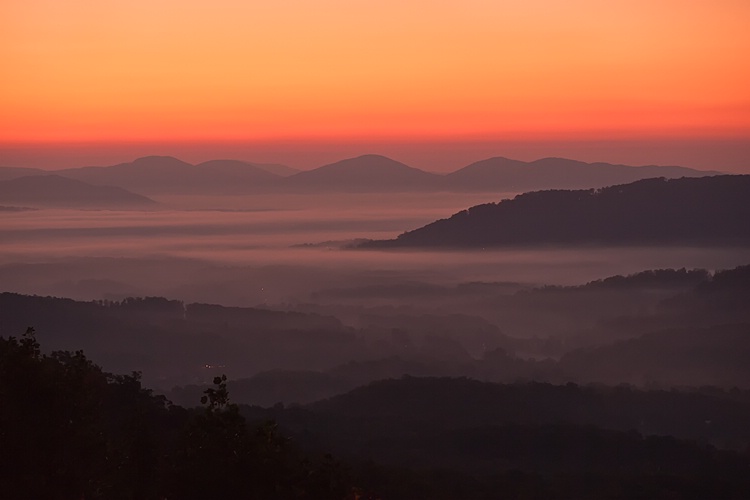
point(432, 82)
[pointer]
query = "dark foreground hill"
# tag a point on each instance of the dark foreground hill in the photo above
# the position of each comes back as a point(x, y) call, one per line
point(168, 340)
point(70, 430)
point(61, 192)
point(450, 403)
point(576, 442)
point(700, 211)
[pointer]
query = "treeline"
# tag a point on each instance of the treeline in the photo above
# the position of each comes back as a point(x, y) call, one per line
point(175, 343)
point(658, 328)
point(69, 430)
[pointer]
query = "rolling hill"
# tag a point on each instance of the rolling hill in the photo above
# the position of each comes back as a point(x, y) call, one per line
point(61, 192)
point(714, 356)
point(706, 210)
point(168, 175)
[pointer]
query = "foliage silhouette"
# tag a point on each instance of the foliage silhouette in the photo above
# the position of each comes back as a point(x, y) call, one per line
point(69, 430)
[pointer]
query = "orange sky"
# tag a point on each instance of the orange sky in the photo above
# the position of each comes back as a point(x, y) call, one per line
point(351, 70)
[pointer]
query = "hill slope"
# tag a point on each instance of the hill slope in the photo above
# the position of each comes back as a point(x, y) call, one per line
point(8, 173)
point(707, 210)
point(57, 191)
point(714, 356)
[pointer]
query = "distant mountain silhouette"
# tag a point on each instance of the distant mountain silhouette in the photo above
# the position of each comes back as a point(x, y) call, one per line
point(503, 174)
point(278, 169)
point(57, 191)
point(7, 173)
point(165, 174)
point(705, 210)
point(263, 172)
point(368, 173)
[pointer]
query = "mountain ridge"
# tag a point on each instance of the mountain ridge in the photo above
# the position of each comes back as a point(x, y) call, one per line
point(8, 173)
point(366, 173)
point(166, 174)
point(558, 173)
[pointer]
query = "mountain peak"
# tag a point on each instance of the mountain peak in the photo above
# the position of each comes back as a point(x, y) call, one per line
point(366, 173)
point(370, 155)
point(155, 157)
point(158, 160)
point(368, 162)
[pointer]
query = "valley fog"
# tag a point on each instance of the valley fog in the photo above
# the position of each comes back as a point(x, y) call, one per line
point(245, 251)
point(315, 303)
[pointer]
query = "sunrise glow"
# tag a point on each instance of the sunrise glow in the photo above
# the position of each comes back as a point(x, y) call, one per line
point(235, 70)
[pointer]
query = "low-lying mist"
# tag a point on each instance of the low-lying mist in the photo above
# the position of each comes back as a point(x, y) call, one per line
point(245, 251)
point(497, 314)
